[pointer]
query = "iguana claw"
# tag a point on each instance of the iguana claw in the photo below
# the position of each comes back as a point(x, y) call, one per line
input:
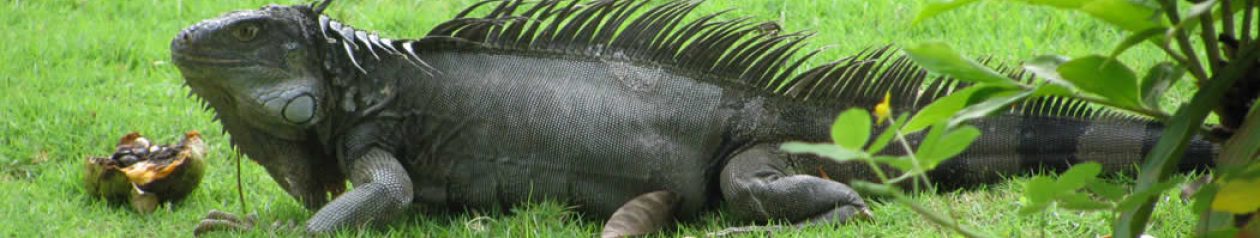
point(221, 221)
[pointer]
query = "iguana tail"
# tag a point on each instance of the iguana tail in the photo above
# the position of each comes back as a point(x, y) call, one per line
point(1015, 145)
point(1043, 134)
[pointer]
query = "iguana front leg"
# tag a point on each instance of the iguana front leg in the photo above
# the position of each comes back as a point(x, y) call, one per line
point(382, 191)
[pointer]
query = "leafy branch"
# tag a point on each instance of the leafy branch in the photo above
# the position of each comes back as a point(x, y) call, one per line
point(1227, 79)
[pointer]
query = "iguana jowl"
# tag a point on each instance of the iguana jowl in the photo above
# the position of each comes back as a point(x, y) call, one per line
point(618, 107)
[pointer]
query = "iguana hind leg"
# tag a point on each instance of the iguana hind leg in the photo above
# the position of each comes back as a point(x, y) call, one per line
point(644, 214)
point(755, 185)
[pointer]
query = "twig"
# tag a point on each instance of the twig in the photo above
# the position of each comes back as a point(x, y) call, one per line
point(1183, 41)
point(1227, 18)
point(1173, 53)
point(1245, 37)
point(1210, 43)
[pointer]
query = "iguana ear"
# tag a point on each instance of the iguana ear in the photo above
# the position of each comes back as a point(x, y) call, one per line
point(319, 7)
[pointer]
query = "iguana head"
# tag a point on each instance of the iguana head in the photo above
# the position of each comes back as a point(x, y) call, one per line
point(256, 65)
point(261, 71)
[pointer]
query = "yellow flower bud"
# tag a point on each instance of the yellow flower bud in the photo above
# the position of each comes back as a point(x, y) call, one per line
point(884, 109)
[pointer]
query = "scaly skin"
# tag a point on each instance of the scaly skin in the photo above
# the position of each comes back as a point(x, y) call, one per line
point(466, 120)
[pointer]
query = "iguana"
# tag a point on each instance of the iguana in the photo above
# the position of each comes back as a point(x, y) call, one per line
point(621, 108)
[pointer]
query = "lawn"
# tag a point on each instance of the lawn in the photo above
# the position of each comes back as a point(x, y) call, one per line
point(79, 74)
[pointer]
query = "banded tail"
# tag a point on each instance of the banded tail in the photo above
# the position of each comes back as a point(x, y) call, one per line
point(1017, 144)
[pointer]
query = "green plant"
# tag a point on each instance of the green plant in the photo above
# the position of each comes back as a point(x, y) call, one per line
point(1223, 68)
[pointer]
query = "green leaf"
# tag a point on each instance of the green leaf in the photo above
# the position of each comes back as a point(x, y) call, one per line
point(1033, 208)
point(902, 163)
point(940, 58)
point(1079, 175)
point(825, 150)
point(936, 8)
point(936, 149)
point(1237, 196)
point(1198, 9)
point(1104, 77)
point(1080, 201)
point(1047, 67)
point(1110, 191)
point(887, 136)
point(928, 144)
point(1040, 189)
point(1156, 34)
point(1228, 232)
point(1049, 89)
point(1125, 14)
point(1137, 198)
point(852, 129)
point(1065, 4)
point(1204, 197)
point(950, 145)
point(1158, 79)
point(996, 101)
point(940, 110)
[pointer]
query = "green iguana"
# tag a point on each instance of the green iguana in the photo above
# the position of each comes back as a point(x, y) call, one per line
point(622, 108)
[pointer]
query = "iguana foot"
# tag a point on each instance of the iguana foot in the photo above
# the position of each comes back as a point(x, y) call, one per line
point(756, 186)
point(221, 221)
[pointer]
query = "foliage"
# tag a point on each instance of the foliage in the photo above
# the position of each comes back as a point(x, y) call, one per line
point(1106, 80)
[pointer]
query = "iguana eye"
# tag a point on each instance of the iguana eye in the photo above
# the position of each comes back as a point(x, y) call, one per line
point(245, 32)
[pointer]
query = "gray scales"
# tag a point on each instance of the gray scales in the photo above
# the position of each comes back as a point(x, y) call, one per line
point(621, 108)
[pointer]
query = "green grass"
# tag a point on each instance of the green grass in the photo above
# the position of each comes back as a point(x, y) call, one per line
point(79, 74)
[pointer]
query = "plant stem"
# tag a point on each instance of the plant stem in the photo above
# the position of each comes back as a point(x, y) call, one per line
point(878, 171)
point(1173, 53)
point(1245, 36)
point(906, 145)
point(1227, 19)
point(1183, 41)
point(1210, 43)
